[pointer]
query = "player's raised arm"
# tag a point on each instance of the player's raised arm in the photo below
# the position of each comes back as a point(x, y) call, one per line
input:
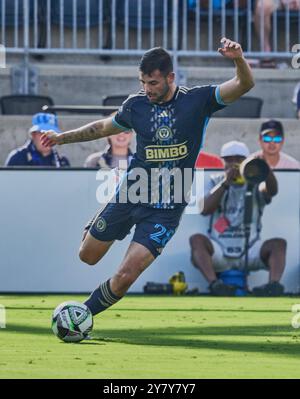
point(233, 89)
point(92, 131)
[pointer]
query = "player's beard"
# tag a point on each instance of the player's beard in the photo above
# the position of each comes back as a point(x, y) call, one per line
point(160, 98)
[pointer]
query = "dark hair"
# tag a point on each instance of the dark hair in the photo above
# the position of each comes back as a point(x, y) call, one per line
point(156, 58)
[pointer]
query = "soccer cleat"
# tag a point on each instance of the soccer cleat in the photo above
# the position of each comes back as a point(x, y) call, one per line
point(270, 289)
point(219, 288)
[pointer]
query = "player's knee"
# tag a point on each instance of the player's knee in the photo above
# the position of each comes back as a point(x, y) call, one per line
point(87, 258)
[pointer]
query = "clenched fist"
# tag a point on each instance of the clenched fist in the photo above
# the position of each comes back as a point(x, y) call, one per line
point(230, 49)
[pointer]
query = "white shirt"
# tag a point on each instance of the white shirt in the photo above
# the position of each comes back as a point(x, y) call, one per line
point(285, 161)
point(232, 207)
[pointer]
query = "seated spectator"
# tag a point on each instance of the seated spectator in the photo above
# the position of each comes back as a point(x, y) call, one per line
point(266, 8)
point(271, 140)
point(224, 248)
point(116, 155)
point(33, 152)
point(208, 160)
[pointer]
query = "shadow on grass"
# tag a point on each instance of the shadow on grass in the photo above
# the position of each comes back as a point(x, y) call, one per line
point(199, 310)
point(195, 338)
point(178, 337)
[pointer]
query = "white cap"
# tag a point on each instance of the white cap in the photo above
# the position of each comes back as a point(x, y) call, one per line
point(234, 148)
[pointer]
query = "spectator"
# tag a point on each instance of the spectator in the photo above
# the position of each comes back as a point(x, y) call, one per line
point(224, 247)
point(271, 140)
point(208, 160)
point(262, 19)
point(33, 152)
point(116, 155)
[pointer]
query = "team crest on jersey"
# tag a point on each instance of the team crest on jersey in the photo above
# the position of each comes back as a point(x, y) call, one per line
point(164, 133)
point(101, 224)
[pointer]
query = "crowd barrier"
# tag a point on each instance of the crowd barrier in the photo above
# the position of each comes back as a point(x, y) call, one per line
point(43, 213)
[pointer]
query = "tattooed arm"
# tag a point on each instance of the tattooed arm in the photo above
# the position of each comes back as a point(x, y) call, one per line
point(92, 131)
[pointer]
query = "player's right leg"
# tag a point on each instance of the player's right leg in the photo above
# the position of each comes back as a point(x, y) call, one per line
point(110, 224)
point(92, 250)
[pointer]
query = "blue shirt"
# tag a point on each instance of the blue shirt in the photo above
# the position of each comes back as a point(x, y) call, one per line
point(169, 135)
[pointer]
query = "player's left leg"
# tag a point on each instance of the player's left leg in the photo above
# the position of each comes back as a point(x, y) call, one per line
point(136, 260)
point(154, 229)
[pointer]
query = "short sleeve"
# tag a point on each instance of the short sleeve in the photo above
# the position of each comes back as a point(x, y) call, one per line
point(215, 102)
point(122, 119)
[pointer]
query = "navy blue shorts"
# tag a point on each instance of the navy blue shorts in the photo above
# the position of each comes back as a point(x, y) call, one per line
point(153, 227)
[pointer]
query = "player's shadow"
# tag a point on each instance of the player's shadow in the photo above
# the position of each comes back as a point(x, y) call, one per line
point(196, 338)
point(269, 338)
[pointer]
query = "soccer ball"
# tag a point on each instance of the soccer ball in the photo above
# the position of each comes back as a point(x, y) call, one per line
point(72, 321)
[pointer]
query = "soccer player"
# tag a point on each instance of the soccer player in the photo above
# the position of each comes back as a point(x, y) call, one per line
point(170, 123)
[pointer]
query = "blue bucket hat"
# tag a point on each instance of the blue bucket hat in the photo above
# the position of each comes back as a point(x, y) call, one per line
point(43, 121)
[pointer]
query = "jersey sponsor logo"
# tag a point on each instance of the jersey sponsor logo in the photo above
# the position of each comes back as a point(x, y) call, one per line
point(101, 224)
point(164, 133)
point(157, 153)
point(163, 114)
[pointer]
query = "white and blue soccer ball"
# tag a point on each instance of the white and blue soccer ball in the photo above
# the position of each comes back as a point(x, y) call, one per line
point(72, 321)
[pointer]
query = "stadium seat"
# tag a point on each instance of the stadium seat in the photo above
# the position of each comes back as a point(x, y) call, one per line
point(244, 107)
point(146, 13)
point(9, 12)
point(81, 11)
point(23, 104)
point(114, 100)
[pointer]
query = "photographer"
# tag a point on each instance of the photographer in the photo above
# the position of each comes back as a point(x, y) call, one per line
point(224, 247)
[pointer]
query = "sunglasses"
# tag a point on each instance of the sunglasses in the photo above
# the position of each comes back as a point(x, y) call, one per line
point(269, 139)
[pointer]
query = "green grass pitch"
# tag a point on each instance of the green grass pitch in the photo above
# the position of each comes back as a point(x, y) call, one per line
point(155, 337)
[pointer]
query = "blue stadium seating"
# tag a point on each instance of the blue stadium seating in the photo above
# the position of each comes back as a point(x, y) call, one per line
point(146, 13)
point(10, 9)
point(81, 12)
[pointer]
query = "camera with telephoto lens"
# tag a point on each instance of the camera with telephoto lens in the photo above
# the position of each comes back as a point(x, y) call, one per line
point(254, 170)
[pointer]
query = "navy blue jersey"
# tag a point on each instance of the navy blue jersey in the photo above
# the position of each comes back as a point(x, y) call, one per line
point(169, 135)
point(28, 155)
